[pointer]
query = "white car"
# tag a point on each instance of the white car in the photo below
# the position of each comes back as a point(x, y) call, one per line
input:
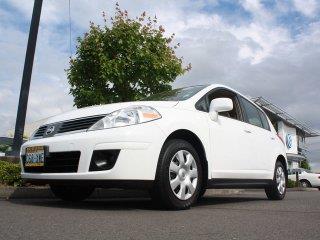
point(307, 178)
point(176, 144)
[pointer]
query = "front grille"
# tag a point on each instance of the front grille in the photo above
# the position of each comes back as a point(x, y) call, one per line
point(67, 126)
point(40, 131)
point(78, 124)
point(57, 162)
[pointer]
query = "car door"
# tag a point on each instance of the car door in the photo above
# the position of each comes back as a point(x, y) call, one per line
point(230, 144)
point(262, 140)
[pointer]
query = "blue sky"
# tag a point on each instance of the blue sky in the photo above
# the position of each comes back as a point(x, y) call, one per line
point(262, 48)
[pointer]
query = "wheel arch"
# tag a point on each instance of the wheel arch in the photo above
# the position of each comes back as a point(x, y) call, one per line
point(195, 141)
point(305, 180)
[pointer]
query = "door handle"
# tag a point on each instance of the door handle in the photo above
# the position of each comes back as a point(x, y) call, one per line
point(247, 131)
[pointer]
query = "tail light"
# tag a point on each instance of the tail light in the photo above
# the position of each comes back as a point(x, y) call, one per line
point(280, 138)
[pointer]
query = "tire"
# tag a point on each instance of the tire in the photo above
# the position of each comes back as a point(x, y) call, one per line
point(202, 193)
point(277, 190)
point(71, 193)
point(179, 176)
point(305, 184)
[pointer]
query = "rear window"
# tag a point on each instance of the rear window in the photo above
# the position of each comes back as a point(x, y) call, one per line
point(252, 113)
point(264, 120)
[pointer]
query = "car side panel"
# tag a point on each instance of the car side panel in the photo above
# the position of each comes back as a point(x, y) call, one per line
point(231, 150)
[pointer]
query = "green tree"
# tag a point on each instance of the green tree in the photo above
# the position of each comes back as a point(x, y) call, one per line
point(305, 164)
point(122, 61)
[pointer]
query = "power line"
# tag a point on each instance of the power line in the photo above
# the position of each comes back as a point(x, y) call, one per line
point(70, 37)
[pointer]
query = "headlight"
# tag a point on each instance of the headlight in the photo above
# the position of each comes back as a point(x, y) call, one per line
point(126, 116)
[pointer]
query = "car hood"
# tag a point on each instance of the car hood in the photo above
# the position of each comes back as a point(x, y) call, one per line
point(107, 108)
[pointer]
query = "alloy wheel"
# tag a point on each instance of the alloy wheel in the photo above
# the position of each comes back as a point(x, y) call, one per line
point(281, 180)
point(183, 175)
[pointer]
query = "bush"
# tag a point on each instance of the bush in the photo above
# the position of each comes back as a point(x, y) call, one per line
point(291, 184)
point(4, 148)
point(10, 174)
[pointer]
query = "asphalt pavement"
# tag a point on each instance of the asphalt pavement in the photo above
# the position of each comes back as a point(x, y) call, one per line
point(246, 216)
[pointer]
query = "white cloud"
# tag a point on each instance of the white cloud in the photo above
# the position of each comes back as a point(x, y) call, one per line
point(258, 11)
point(5, 94)
point(306, 7)
point(49, 88)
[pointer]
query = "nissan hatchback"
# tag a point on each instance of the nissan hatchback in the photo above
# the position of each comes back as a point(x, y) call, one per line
point(176, 144)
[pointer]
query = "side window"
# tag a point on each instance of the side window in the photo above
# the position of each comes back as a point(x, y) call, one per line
point(252, 113)
point(204, 102)
point(202, 105)
point(224, 93)
point(264, 120)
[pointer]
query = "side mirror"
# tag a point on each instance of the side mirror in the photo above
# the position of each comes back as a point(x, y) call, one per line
point(219, 105)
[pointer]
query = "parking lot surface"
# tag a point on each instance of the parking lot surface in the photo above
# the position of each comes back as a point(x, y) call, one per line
point(244, 216)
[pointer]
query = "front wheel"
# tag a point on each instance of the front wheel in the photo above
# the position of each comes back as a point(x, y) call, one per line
point(179, 175)
point(202, 193)
point(71, 193)
point(277, 190)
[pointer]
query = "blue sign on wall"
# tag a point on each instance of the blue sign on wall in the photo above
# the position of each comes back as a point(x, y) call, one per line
point(289, 141)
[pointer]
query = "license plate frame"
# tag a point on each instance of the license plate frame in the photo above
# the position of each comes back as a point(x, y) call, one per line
point(35, 156)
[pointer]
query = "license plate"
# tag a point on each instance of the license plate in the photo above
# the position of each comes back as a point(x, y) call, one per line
point(35, 156)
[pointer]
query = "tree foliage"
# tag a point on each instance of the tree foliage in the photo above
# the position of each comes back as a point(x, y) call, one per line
point(123, 60)
point(305, 164)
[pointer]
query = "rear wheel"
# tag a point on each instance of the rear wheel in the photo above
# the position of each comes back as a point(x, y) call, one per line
point(179, 175)
point(305, 184)
point(72, 193)
point(277, 190)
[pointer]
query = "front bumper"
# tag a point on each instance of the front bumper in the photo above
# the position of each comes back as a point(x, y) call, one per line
point(139, 146)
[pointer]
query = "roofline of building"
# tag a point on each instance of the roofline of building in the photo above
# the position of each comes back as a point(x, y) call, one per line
point(286, 117)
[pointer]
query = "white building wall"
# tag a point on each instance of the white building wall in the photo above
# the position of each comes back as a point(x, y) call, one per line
point(289, 136)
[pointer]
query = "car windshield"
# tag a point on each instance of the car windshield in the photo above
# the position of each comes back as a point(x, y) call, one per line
point(178, 94)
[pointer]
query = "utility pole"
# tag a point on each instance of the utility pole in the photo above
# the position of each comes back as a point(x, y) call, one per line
point(26, 78)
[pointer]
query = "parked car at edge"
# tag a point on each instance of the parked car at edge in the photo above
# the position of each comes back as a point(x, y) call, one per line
point(175, 144)
point(307, 178)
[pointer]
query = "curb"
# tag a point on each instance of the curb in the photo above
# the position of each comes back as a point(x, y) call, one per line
point(215, 192)
point(295, 189)
point(10, 159)
point(300, 189)
point(45, 193)
point(25, 192)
